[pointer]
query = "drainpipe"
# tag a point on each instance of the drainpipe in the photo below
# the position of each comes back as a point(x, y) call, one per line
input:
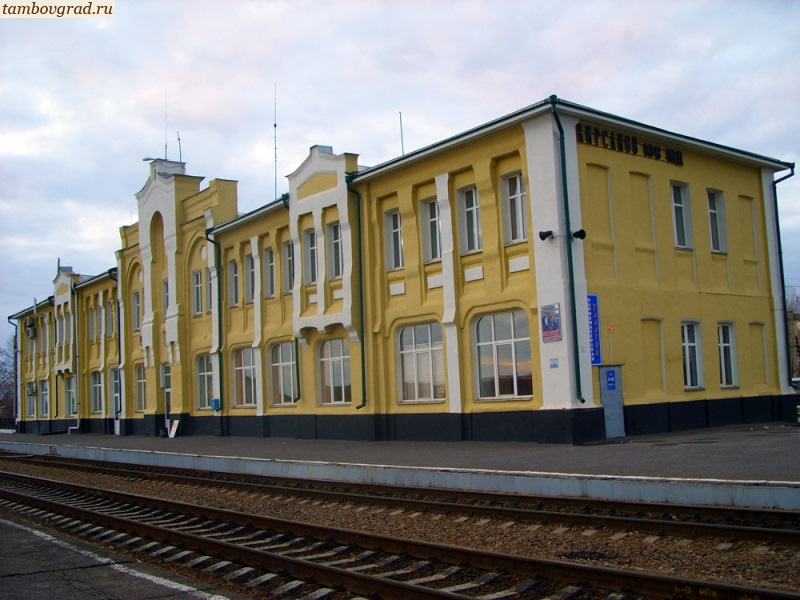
point(217, 259)
point(75, 356)
point(117, 409)
point(780, 267)
point(285, 201)
point(565, 199)
point(14, 324)
point(360, 253)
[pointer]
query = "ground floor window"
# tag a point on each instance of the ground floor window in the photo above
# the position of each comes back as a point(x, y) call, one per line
point(282, 373)
point(244, 377)
point(205, 387)
point(503, 355)
point(96, 391)
point(334, 359)
point(690, 344)
point(30, 399)
point(421, 363)
point(44, 398)
point(69, 392)
point(141, 388)
point(727, 354)
point(116, 390)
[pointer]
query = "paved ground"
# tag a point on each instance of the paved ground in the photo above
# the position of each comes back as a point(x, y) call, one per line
point(40, 564)
point(764, 451)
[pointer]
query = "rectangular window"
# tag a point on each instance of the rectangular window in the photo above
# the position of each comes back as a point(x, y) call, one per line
point(166, 386)
point(716, 222)
point(421, 363)
point(136, 312)
point(233, 283)
point(681, 216)
point(727, 355)
point(432, 231)
point(335, 251)
point(269, 273)
point(209, 291)
point(44, 398)
point(692, 353)
point(310, 256)
point(165, 294)
point(283, 374)
point(249, 278)
point(69, 392)
point(116, 390)
point(109, 319)
point(244, 378)
point(96, 391)
point(515, 219)
point(90, 324)
point(205, 381)
point(30, 399)
point(197, 293)
point(470, 221)
point(141, 388)
point(287, 252)
point(503, 355)
point(394, 241)
point(334, 359)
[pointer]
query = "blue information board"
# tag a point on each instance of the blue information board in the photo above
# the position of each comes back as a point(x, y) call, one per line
point(594, 330)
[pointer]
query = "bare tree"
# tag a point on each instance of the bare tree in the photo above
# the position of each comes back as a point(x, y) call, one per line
point(7, 353)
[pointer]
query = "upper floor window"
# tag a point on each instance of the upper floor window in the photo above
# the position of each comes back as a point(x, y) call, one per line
point(233, 283)
point(692, 352)
point(287, 257)
point(197, 293)
point(244, 377)
point(515, 214)
point(209, 291)
point(109, 318)
point(282, 373)
point(90, 324)
point(335, 251)
point(421, 363)
point(716, 221)
point(334, 364)
point(394, 240)
point(249, 278)
point(310, 256)
point(503, 355)
point(469, 217)
point(431, 231)
point(136, 311)
point(681, 216)
point(269, 273)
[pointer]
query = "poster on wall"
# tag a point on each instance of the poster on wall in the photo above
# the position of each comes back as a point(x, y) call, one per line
point(551, 322)
point(594, 330)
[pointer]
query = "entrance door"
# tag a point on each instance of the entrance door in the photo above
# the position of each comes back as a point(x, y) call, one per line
point(611, 398)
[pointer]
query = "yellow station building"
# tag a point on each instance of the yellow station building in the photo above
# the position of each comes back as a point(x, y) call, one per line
point(559, 274)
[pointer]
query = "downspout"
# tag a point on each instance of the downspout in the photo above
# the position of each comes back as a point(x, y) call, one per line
point(16, 375)
point(780, 267)
point(117, 409)
point(295, 346)
point(75, 356)
point(360, 253)
point(565, 199)
point(217, 259)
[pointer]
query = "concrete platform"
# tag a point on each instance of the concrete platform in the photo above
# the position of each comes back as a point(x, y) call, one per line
point(742, 465)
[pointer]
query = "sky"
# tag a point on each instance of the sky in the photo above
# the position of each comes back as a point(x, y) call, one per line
point(83, 101)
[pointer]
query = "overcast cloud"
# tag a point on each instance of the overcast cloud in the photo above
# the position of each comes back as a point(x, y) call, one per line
point(82, 101)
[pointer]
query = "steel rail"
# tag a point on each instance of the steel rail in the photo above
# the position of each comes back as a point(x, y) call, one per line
point(603, 577)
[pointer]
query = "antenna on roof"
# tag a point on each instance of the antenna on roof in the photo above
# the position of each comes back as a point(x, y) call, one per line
point(402, 144)
point(275, 135)
point(180, 151)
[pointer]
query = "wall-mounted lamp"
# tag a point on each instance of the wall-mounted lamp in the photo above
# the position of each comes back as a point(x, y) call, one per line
point(579, 235)
point(544, 235)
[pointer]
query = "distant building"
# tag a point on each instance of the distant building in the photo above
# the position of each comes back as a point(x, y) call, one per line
point(559, 274)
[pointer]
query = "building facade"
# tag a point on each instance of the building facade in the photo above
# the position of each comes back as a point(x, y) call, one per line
point(557, 275)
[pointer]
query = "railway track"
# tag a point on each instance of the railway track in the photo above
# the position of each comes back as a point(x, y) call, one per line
point(318, 562)
point(767, 525)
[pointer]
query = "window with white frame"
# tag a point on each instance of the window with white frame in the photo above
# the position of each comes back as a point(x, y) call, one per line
point(140, 383)
point(421, 363)
point(335, 252)
point(233, 283)
point(269, 273)
point(692, 352)
point(469, 220)
point(90, 324)
point(393, 224)
point(503, 355)
point(515, 213)
point(136, 311)
point(69, 393)
point(244, 377)
point(197, 293)
point(30, 399)
point(287, 256)
point(44, 398)
point(310, 257)
point(249, 278)
point(681, 216)
point(283, 373)
point(116, 389)
point(166, 386)
point(209, 291)
point(726, 337)
point(96, 391)
point(431, 230)
point(165, 294)
point(205, 381)
point(334, 364)
point(716, 221)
